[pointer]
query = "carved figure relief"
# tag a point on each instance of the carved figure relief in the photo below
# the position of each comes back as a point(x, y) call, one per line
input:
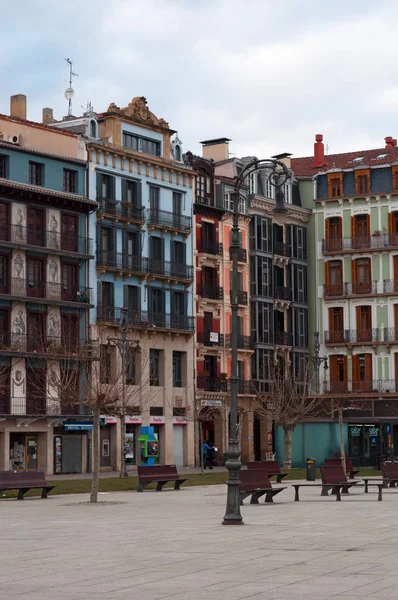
point(18, 225)
point(53, 269)
point(18, 266)
point(53, 325)
point(53, 234)
point(18, 385)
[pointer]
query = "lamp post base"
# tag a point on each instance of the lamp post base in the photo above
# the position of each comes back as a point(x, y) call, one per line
point(232, 515)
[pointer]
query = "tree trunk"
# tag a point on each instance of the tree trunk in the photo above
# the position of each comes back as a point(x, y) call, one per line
point(341, 434)
point(287, 448)
point(96, 455)
point(122, 443)
point(200, 446)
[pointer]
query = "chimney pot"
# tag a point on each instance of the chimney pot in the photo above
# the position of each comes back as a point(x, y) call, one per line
point(394, 142)
point(47, 115)
point(319, 151)
point(18, 106)
point(389, 141)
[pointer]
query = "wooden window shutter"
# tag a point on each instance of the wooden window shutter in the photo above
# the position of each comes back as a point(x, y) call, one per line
point(391, 222)
point(333, 368)
point(354, 273)
point(345, 363)
point(395, 267)
point(341, 226)
point(396, 365)
point(353, 228)
point(331, 319)
point(355, 368)
point(394, 177)
point(368, 367)
point(327, 273)
point(396, 317)
point(358, 317)
point(367, 225)
point(330, 178)
point(327, 228)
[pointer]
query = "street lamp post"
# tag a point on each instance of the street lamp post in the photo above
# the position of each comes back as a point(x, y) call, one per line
point(278, 174)
point(317, 361)
point(123, 345)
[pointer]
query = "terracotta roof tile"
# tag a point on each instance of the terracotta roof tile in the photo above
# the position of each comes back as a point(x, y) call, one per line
point(34, 124)
point(304, 167)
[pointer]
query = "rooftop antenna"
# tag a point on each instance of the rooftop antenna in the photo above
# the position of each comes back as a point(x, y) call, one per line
point(70, 92)
point(327, 148)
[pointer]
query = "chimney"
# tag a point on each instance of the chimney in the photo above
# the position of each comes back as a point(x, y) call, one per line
point(217, 149)
point(47, 116)
point(319, 151)
point(390, 142)
point(18, 106)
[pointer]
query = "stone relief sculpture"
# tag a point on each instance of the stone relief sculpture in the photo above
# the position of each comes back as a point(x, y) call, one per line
point(18, 330)
point(53, 270)
point(18, 226)
point(18, 266)
point(53, 325)
point(18, 385)
point(53, 232)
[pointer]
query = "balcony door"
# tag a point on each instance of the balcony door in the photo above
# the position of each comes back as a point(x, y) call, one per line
point(132, 250)
point(210, 373)
point(70, 281)
point(338, 373)
point(393, 227)
point(178, 259)
point(132, 301)
point(364, 323)
point(336, 324)
point(361, 276)
point(36, 233)
point(107, 238)
point(360, 231)
point(36, 278)
point(37, 339)
point(106, 296)
point(4, 221)
point(69, 232)
point(362, 373)
point(208, 238)
point(179, 310)
point(4, 274)
point(35, 391)
point(156, 307)
point(70, 332)
point(207, 327)
point(156, 249)
point(177, 209)
point(5, 377)
point(334, 277)
point(334, 233)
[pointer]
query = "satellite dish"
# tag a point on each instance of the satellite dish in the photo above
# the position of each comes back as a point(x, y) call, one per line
point(69, 93)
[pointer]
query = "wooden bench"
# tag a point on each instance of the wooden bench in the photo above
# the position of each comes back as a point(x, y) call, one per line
point(335, 480)
point(256, 483)
point(349, 467)
point(23, 481)
point(271, 466)
point(159, 474)
point(390, 474)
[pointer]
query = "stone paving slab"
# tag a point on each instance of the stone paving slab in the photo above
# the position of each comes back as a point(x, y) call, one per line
point(153, 546)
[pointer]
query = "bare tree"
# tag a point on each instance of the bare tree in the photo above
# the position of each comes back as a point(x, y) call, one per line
point(288, 403)
point(339, 406)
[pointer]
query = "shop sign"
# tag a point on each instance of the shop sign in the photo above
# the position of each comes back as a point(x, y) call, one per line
point(157, 421)
point(214, 337)
point(374, 431)
point(78, 426)
point(211, 402)
point(133, 420)
point(179, 421)
point(355, 431)
point(111, 420)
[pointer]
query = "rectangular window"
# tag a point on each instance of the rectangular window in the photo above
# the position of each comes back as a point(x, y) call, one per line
point(105, 363)
point(228, 201)
point(177, 368)
point(154, 199)
point(36, 278)
point(70, 178)
point(4, 280)
point(287, 192)
point(141, 144)
point(253, 183)
point(336, 325)
point(36, 173)
point(131, 192)
point(154, 367)
point(242, 206)
point(3, 166)
point(395, 177)
point(362, 182)
point(335, 185)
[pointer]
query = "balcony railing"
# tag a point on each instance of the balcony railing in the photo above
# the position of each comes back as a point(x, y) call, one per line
point(283, 338)
point(347, 336)
point(41, 238)
point(169, 219)
point(371, 242)
point(118, 208)
point(281, 249)
point(242, 254)
point(210, 247)
point(41, 406)
point(47, 290)
point(282, 293)
point(48, 345)
point(141, 264)
point(378, 386)
point(244, 342)
point(216, 339)
point(212, 384)
point(213, 292)
point(390, 286)
point(350, 289)
point(146, 319)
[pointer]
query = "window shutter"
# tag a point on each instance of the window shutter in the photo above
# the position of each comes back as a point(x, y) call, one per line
point(327, 228)
point(331, 319)
point(172, 251)
point(353, 228)
point(125, 296)
point(99, 292)
point(354, 275)
point(358, 317)
point(112, 188)
point(99, 186)
point(345, 363)
point(391, 222)
point(333, 368)
point(368, 367)
point(138, 191)
point(396, 317)
point(395, 267)
point(341, 227)
point(368, 225)
point(124, 190)
point(355, 368)
point(327, 273)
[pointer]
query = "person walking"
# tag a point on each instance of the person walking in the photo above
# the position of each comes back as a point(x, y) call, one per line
point(211, 455)
point(205, 449)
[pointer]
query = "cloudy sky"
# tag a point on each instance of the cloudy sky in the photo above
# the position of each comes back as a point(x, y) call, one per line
point(269, 75)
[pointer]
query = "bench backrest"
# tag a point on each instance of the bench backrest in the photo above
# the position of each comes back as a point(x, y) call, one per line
point(389, 470)
point(22, 478)
point(250, 479)
point(337, 461)
point(145, 472)
point(271, 466)
point(333, 474)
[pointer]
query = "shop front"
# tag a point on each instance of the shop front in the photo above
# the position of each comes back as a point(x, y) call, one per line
point(133, 425)
point(179, 435)
point(371, 443)
point(71, 445)
point(158, 449)
point(24, 450)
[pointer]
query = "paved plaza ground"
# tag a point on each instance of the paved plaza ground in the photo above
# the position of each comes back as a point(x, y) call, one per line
point(171, 545)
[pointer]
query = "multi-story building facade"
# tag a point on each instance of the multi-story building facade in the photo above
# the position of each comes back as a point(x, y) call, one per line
point(143, 263)
point(354, 289)
point(44, 294)
point(278, 288)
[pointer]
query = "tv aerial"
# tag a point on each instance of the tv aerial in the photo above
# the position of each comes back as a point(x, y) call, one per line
point(70, 92)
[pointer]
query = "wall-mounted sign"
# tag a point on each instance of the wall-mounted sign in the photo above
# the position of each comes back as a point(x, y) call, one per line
point(157, 420)
point(110, 420)
point(78, 426)
point(211, 402)
point(136, 420)
point(214, 337)
point(355, 431)
point(179, 421)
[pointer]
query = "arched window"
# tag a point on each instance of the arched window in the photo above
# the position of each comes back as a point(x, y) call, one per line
point(177, 153)
point(93, 129)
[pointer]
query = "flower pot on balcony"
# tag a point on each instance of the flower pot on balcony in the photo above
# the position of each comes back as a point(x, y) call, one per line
point(376, 234)
point(223, 375)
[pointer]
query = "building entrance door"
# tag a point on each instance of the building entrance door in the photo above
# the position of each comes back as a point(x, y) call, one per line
point(178, 446)
point(31, 452)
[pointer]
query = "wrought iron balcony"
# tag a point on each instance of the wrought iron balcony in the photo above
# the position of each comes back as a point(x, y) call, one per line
point(283, 338)
point(55, 292)
point(282, 293)
point(117, 208)
point(242, 254)
point(146, 319)
point(244, 342)
point(212, 292)
point(370, 242)
point(212, 384)
point(334, 289)
point(169, 220)
point(262, 386)
point(36, 405)
point(350, 289)
point(360, 336)
point(210, 247)
point(141, 264)
point(205, 338)
point(375, 386)
point(40, 343)
point(245, 387)
point(281, 249)
point(21, 236)
point(390, 286)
